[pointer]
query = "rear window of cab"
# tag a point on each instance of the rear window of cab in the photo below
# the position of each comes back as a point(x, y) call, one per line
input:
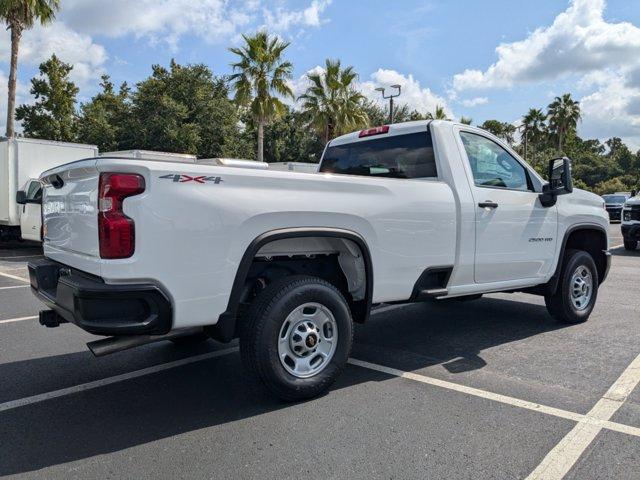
point(398, 156)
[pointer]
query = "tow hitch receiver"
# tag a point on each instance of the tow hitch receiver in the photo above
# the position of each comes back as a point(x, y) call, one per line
point(50, 319)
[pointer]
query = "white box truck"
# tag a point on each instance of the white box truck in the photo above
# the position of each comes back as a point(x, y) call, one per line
point(22, 160)
point(151, 155)
point(294, 167)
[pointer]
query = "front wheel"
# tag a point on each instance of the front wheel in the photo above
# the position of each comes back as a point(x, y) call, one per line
point(630, 244)
point(296, 337)
point(577, 290)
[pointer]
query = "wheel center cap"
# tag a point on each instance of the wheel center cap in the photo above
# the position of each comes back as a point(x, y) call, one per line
point(311, 341)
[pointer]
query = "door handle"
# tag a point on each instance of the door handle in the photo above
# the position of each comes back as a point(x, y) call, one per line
point(488, 204)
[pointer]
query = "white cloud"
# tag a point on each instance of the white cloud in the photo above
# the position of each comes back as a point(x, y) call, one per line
point(39, 43)
point(282, 19)
point(413, 94)
point(158, 20)
point(612, 110)
point(167, 21)
point(600, 58)
point(578, 41)
point(473, 102)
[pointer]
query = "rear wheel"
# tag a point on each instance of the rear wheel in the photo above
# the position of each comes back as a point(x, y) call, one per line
point(630, 244)
point(577, 290)
point(296, 337)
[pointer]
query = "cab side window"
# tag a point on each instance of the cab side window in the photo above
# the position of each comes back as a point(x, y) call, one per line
point(492, 165)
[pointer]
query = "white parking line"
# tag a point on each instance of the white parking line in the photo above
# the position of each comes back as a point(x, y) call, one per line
point(110, 380)
point(13, 277)
point(15, 286)
point(617, 246)
point(567, 452)
point(496, 397)
point(19, 256)
point(19, 319)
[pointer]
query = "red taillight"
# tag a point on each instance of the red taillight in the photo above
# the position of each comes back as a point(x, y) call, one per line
point(374, 131)
point(116, 231)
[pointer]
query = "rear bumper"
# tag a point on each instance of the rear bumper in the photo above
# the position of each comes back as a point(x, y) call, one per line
point(631, 232)
point(97, 307)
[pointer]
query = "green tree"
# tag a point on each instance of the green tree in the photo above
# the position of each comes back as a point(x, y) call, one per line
point(288, 139)
point(260, 73)
point(104, 120)
point(564, 115)
point(183, 109)
point(503, 130)
point(465, 120)
point(20, 15)
point(53, 114)
point(331, 103)
point(437, 114)
point(534, 128)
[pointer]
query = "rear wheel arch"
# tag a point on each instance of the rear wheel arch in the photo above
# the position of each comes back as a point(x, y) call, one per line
point(226, 328)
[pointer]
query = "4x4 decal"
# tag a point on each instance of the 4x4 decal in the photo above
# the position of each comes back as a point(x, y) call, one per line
point(183, 178)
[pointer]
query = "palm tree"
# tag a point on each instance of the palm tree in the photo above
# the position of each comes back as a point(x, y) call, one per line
point(20, 15)
point(260, 73)
point(331, 102)
point(534, 126)
point(465, 120)
point(438, 114)
point(564, 115)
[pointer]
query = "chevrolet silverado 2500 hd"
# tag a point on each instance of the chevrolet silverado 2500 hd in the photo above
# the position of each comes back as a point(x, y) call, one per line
point(286, 261)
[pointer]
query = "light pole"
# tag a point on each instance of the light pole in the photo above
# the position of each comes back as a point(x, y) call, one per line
point(390, 97)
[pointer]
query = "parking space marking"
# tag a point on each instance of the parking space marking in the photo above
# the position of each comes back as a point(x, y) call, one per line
point(13, 277)
point(15, 286)
point(19, 256)
point(111, 380)
point(496, 397)
point(567, 452)
point(19, 319)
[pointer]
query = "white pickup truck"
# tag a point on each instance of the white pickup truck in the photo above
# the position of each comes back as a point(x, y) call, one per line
point(146, 251)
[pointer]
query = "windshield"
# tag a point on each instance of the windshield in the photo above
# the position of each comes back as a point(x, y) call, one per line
point(614, 198)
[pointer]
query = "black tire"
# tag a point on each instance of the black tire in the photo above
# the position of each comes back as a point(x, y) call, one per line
point(630, 244)
point(560, 304)
point(261, 326)
point(190, 340)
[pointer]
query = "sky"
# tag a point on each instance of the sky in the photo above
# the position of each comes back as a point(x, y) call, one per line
point(484, 60)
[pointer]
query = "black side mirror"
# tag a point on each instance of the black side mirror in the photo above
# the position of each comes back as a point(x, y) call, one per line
point(560, 181)
point(21, 197)
point(559, 175)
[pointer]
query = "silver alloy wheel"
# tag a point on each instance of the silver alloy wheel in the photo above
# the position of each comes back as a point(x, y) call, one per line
point(308, 339)
point(581, 287)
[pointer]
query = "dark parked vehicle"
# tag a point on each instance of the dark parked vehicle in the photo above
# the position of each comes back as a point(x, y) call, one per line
point(614, 203)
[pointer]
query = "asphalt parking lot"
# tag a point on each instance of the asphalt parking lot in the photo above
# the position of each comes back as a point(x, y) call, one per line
point(489, 389)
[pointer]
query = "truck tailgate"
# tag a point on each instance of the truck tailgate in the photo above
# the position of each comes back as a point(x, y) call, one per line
point(70, 215)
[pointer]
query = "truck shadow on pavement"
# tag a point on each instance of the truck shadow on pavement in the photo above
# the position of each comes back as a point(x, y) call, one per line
point(214, 392)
